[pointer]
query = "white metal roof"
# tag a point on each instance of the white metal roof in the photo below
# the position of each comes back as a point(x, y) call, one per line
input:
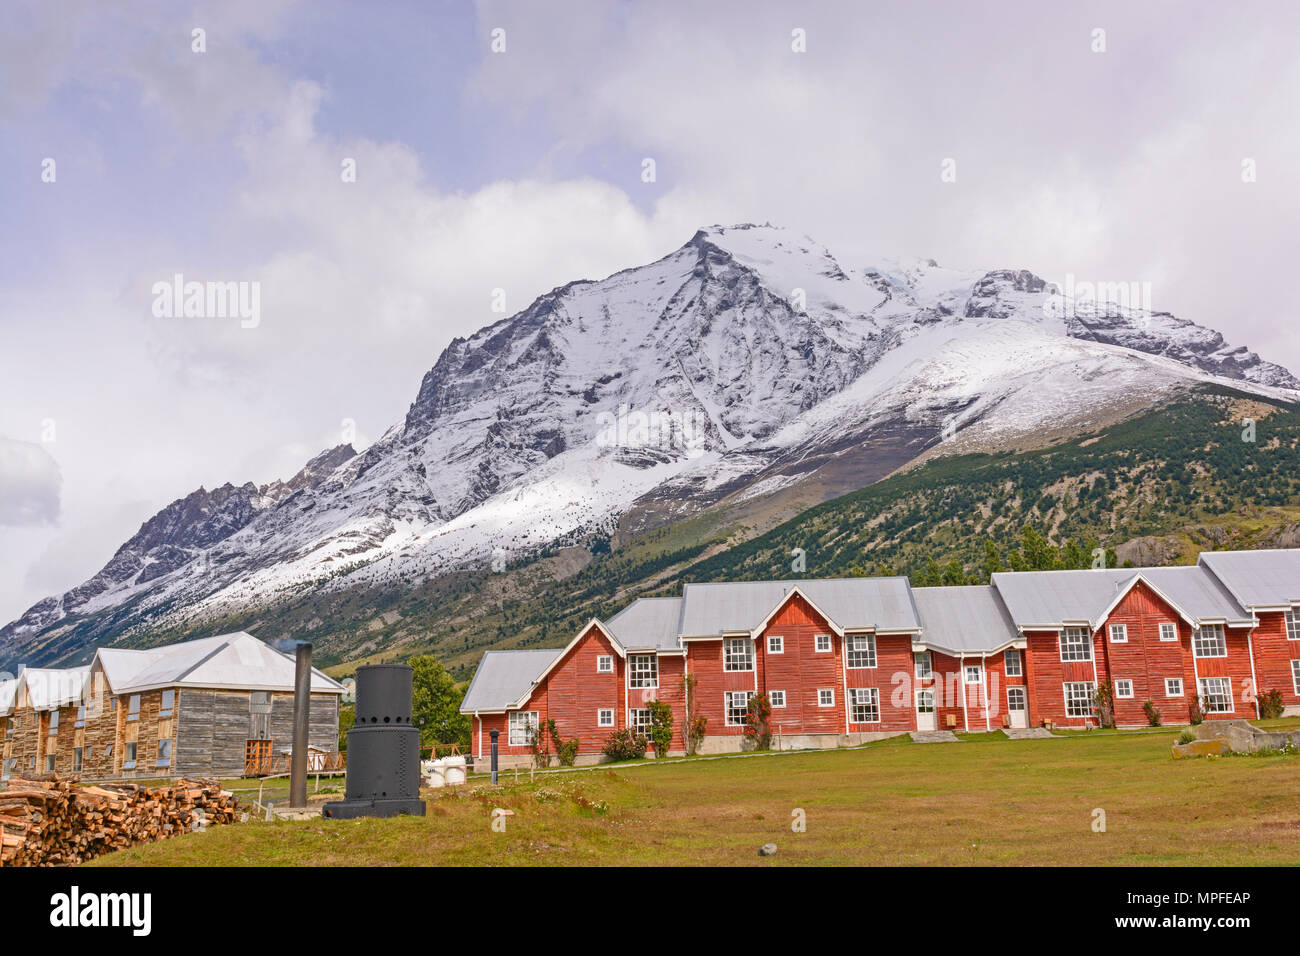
point(964, 619)
point(8, 694)
point(50, 687)
point(1053, 598)
point(648, 623)
point(721, 608)
point(235, 661)
point(1258, 579)
point(504, 677)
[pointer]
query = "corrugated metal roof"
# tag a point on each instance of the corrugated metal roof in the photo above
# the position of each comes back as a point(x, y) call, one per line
point(237, 661)
point(964, 619)
point(502, 677)
point(648, 622)
point(8, 693)
point(1055, 597)
point(1258, 579)
point(121, 665)
point(717, 608)
point(48, 687)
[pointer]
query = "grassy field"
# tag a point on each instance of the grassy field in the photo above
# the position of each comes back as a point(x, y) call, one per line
point(980, 801)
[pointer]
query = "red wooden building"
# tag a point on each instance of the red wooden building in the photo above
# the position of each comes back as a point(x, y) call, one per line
point(847, 660)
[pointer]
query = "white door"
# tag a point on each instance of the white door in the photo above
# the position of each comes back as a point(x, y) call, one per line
point(925, 710)
point(1016, 710)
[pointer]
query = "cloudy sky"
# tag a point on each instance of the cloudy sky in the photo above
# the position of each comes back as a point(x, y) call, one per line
point(521, 170)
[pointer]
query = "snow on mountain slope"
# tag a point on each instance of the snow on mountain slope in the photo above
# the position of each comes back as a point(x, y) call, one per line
point(702, 375)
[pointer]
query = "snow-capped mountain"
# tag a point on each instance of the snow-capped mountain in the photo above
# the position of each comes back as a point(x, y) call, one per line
point(743, 362)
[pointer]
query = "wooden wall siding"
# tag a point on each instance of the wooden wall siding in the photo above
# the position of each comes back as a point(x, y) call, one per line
point(799, 670)
point(1145, 659)
point(214, 726)
point(1273, 656)
point(897, 701)
point(1236, 667)
point(1047, 673)
point(576, 691)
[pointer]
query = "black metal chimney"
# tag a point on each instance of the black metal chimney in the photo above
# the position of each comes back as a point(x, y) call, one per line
point(383, 748)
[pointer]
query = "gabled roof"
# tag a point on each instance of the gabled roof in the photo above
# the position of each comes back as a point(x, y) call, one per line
point(1268, 579)
point(884, 604)
point(1054, 598)
point(8, 694)
point(49, 688)
point(120, 665)
point(235, 661)
point(964, 620)
point(504, 678)
point(647, 623)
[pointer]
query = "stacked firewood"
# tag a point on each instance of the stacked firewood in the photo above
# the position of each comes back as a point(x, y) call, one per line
point(59, 822)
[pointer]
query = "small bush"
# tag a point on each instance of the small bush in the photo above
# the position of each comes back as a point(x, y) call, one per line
point(1186, 737)
point(758, 729)
point(661, 726)
point(1270, 704)
point(1152, 712)
point(625, 745)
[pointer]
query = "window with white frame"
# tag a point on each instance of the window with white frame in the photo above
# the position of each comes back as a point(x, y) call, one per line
point(1076, 644)
point(1295, 676)
point(1015, 698)
point(1293, 625)
point(737, 706)
point(862, 650)
point(605, 717)
point(643, 671)
point(776, 698)
point(775, 644)
point(1216, 693)
point(822, 643)
point(1119, 633)
point(1209, 641)
point(864, 705)
point(639, 720)
point(737, 654)
point(1168, 631)
point(925, 702)
point(1078, 699)
point(826, 697)
point(922, 665)
point(1011, 662)
point(604, 663)
point(973, 674)
point(1173, 687)
point(523, 723)
point(1124, 688)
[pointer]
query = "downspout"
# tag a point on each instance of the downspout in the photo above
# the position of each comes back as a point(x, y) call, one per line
point(844, 679)
point(961, 672)
point(984, 674)
point(1250, 649)
point(1196, 675)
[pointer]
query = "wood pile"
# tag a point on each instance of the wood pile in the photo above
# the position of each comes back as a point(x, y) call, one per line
point(60, 822)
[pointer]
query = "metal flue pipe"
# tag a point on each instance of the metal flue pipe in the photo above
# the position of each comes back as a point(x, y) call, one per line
point(301, 721)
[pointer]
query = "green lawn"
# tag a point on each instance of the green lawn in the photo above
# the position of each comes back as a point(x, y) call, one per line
point(992, 801)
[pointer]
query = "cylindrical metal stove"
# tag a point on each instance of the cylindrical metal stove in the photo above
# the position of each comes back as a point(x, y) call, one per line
point(383, 748)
